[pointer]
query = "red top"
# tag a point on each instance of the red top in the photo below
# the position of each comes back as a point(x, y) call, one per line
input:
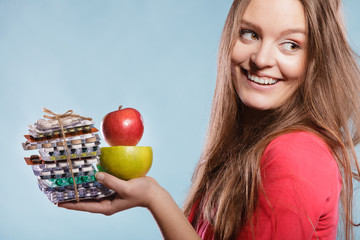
point(302, 183)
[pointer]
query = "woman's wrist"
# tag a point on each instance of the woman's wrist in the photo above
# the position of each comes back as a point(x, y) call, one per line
point(157, 194)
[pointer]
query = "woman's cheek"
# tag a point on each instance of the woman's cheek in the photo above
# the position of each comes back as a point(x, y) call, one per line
point(241, 53)
point(291, 67)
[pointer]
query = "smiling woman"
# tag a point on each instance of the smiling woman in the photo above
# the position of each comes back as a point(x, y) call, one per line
point(269, 62)
point(279, 155)
point(280, 152)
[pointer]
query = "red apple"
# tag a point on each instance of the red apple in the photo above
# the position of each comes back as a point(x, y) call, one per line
point(123, 127)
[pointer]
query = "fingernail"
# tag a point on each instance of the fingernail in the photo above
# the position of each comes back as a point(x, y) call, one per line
point(100, 176)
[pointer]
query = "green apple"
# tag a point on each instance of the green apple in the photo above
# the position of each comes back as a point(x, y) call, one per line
point(126, 162)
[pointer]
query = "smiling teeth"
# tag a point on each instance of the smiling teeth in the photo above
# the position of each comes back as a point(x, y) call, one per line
point(262, 80)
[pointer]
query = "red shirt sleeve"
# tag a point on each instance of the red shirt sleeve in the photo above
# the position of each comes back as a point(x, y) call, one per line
point(301, 188)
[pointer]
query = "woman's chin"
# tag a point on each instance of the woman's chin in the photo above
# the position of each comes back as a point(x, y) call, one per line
point(260, 106)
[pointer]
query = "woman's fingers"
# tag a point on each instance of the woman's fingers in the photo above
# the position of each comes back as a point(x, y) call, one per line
point(107, 207)
point(114, 183)
point(133, 193)
point(103, 207)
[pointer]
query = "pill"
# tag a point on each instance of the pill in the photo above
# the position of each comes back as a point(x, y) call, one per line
point(59, 171)
point(76, 146)
point(50, 165)
point(91, 160)
point(78, 163)
point(49, 149)
point(87, 169)
point(90, 140)
point(46, 145)
point(76, 141)
point(60, 143)
point(45, 173)
point(62, 164)
point(31, 147)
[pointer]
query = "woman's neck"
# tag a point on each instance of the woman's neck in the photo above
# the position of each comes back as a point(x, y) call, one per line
point(252, 117)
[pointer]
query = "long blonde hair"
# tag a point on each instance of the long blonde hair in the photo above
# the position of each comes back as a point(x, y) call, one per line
point(227, 177)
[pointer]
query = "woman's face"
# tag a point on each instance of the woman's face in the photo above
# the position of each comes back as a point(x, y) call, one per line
point(269, 57)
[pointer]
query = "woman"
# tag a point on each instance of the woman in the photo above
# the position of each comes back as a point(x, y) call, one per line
point(279, 155)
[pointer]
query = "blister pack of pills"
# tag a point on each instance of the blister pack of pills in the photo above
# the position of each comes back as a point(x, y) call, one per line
point(87, 140)
point(50, 127)
point(62, 183)
point(68, 148)
point(93, 192)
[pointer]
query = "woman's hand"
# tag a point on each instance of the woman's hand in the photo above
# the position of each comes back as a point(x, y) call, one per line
point(138, 192)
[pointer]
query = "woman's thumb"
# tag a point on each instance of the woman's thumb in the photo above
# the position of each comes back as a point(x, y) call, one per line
point(111, 182)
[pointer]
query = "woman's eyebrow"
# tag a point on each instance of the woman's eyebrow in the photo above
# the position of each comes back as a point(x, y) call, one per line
point(285, 32)
point(294, 30)
point(249, 24)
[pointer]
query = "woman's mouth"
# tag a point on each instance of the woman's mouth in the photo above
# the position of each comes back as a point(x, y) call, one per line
point(261, 80)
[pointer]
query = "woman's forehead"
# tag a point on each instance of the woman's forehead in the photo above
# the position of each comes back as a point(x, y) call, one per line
point(275, 14)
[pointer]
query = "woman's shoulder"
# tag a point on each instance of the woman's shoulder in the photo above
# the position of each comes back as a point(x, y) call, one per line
point(299, 140)
point(301, 185)
point(303, 155)
point(299, 144)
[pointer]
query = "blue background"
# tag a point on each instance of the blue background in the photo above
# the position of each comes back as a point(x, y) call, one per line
point(92, 56)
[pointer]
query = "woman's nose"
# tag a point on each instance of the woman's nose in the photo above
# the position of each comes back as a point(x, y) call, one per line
point(263, 56)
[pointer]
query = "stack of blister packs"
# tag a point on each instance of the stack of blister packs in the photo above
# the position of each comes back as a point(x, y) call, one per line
point(54, 174)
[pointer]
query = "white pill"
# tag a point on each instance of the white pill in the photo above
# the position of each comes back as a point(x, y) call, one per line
point(87, 169)
point(48, 150)
point(50, 165)
point(60, 148)
point(59, 171)
point(91, 160)
point(78, 163)
point(89, 144)
point(63, 164)
point(45, 173)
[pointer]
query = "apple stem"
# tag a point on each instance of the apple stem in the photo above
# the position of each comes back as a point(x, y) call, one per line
point(120, 107)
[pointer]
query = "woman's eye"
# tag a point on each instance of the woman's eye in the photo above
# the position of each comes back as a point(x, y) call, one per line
point(249, 35)
point(290, 46)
